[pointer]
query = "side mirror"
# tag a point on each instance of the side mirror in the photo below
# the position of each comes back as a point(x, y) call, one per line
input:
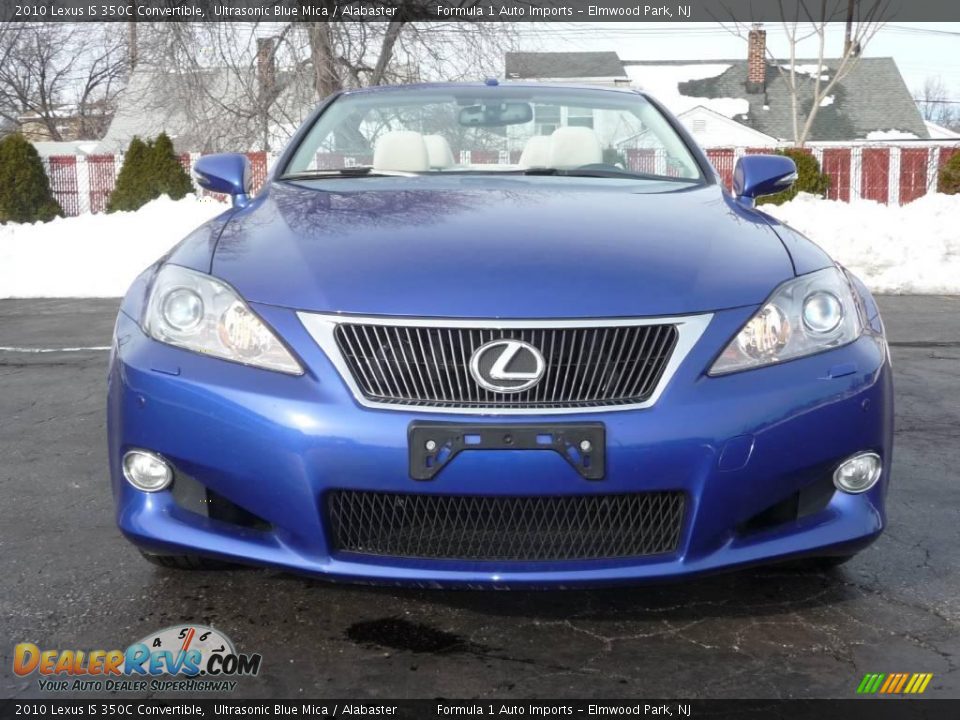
point(227, 173)
point(759, 175)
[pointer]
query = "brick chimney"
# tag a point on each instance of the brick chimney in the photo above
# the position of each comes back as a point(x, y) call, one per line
point(266, 66)
point(757, 59)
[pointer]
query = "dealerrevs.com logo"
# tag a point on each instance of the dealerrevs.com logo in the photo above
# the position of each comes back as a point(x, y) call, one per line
point(180, 658)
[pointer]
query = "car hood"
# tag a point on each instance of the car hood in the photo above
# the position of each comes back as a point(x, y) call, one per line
point(499, 247)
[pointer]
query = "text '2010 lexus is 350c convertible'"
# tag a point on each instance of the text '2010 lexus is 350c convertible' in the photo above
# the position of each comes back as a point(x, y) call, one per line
point(494, 335)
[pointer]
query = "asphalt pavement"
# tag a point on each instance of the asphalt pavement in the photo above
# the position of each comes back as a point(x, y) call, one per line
point(69, 580)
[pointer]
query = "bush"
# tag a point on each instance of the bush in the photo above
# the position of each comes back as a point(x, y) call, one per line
point(809, 178)
point(24, 187)
point(949, 180)
point(150, 169)
point(168, 174)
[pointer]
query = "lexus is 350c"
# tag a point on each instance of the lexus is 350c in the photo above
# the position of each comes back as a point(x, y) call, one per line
point(503, 335)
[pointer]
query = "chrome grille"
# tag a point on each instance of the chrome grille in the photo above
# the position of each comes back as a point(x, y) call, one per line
point(588, 366)
point(464, 527)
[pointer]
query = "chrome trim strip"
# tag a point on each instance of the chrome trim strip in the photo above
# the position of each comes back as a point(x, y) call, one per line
point(321, 327)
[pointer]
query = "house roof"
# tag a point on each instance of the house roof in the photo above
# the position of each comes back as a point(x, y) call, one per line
point(871, 98)
point(702, 112)
point(528, 65)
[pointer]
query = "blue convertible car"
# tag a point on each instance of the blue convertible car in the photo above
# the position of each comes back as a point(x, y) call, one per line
point(498, 335)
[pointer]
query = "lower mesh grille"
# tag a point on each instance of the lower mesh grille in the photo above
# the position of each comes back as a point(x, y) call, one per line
point(505, 528)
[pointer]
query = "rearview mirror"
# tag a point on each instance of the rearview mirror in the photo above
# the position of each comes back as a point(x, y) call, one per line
point(759, 175)
point(496, 114)
point(227, 173)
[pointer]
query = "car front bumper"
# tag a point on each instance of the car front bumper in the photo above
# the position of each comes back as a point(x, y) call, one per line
point(738, 446)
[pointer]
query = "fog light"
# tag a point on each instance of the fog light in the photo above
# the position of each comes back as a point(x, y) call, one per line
point(859, 473)
point(146, 471)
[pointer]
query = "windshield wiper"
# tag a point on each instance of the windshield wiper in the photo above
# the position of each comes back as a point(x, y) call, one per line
point(347, 172)
point(604, 172)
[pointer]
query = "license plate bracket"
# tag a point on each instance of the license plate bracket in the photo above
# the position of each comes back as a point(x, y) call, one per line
point(433, 445)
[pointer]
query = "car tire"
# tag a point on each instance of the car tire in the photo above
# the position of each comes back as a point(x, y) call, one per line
point(187, 562)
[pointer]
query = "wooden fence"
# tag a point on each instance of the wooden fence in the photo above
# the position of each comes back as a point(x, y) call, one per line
point(890, 174)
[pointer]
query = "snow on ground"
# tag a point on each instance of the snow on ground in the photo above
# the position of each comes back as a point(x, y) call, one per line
point(912, 249)
point(94, 255)
point(662, 82)
point(909, 249)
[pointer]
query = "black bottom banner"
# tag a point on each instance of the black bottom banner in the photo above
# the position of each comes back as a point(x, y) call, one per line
point(442, 709)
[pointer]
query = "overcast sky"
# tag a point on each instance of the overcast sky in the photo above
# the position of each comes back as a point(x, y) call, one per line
point(920, 49)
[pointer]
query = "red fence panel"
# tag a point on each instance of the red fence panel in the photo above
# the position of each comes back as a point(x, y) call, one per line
point(258, 170)
point(875, 174)
point(722, 161)
point(484, 157)
point(836, 164)
point(913, 174)
point(102, 171)
point(62, 171)
point(642, 160)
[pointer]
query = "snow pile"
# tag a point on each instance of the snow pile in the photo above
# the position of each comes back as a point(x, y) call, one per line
point(909, 249)
point(662, 81)
point(94, 255)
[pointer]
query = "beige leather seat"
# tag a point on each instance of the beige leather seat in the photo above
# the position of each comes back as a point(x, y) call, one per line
point(439, 154)
point(401, 151)
point(572, 147)
point(536, 152)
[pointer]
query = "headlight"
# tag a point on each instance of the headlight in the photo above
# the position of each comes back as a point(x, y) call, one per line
point(806, 315)
point(197, 312)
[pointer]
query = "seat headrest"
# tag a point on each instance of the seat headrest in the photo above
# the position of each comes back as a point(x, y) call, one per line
point(439, 155)
point(401, 150)
point(572, 147)
point(536, 152)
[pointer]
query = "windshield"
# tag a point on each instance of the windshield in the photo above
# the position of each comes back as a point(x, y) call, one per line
point(540, 130)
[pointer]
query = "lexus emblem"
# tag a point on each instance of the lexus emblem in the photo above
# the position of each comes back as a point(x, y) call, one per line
point(507, 366)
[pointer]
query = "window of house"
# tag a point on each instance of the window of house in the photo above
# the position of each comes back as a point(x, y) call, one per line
point(580, 117)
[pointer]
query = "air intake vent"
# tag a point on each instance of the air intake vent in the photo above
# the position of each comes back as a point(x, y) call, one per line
point(532, 528)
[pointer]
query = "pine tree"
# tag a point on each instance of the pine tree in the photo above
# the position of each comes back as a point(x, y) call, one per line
point(25, 194)
point(132, 190)
point(809, 178)
point(168, 174)
point(949, 180)
point(150, 169)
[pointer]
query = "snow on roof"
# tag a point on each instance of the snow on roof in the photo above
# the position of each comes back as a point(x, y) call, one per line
point(48, 148)
point(662, 82)
point(939, 132)
point(811, 70)
point(891, 134)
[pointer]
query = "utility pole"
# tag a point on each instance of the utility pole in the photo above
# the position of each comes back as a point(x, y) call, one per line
point(132, 43)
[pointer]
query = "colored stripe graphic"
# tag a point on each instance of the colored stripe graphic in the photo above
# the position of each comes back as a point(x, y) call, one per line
point(903, 681)
point(894, 683)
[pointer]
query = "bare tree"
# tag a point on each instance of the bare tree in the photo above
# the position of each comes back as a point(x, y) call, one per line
point(935, 105)
point(254, 83)
point(809, 21)
point(63, 77)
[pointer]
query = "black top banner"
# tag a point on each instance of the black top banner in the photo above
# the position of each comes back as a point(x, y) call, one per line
point(473, 10)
